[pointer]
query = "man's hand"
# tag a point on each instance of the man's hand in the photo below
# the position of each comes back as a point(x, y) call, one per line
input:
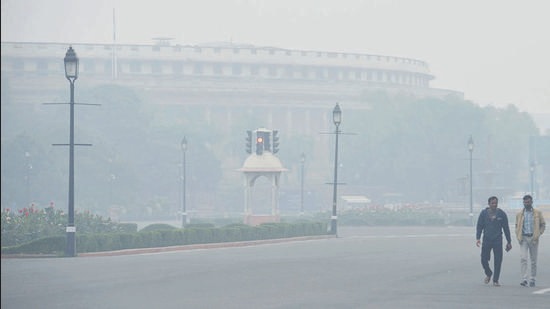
point(478, 242)
point(508, 247)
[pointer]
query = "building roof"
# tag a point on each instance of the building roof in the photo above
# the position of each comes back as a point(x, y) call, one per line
point(266, 162)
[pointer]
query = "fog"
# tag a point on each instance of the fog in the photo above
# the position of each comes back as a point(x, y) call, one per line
point(398, 153)
point(496, 52)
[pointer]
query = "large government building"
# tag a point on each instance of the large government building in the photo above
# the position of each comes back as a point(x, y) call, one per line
point(250, 74)
point(295, 89)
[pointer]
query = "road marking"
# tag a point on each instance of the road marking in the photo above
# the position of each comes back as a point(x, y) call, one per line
point(412, 236)
point(543, 291)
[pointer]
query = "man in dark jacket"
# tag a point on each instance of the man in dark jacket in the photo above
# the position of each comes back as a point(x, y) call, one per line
point(492, 222)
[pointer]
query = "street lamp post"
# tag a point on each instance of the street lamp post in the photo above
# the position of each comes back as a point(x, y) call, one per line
point(471, 149)
point(532, 172)
point(183, 176)
point(71, 73)
point(337, 119)
point(28, 178)
point(112, 178)
point(302, 161)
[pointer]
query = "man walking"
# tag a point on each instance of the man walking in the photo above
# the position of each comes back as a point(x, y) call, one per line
point(492, 222)
point(529, 226)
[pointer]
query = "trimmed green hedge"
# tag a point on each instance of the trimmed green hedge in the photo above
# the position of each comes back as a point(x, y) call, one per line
point(158, 227)
point(160, 235)
point(401, 218)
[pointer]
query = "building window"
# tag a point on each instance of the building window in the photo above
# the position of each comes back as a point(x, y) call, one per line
point(177, 67)
point(288, 72)
point(197, 68)
point(333, 74)
point(254, 70)
point(108, 66)
point(156, 68)
point(18, 65)
point(272, 71)
point(320, 74)
point(88, 66)
point(42, 67)
point(135, 67)
point(217, 68)
point(236, 69)
point(305, 72)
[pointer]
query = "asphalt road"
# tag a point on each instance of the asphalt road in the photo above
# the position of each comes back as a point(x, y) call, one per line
point(406, 267)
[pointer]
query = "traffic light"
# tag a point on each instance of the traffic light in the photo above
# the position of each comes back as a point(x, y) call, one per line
point(267, 144)
point(259, 145)
point(275, 141)
point(249, 141)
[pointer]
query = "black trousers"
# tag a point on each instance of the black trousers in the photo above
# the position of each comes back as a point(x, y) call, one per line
point(486, 248)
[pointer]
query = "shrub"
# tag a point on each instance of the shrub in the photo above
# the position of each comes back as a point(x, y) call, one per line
point(45, 245)
point(127, 227)
point(158, 227)
point(28, 224)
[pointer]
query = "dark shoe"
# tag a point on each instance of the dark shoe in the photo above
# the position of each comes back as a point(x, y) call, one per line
point(523, 283)
point(495, 283)
point(532, 283)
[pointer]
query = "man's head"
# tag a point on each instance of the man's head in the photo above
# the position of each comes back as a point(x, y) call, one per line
point(528, 201)
point(493, 202)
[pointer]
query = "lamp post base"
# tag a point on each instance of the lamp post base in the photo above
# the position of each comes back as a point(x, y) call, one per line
point(333, 225)
point(184, 220)
point(70, 251)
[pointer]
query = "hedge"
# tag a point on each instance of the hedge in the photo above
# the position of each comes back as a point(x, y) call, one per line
point(162, 236)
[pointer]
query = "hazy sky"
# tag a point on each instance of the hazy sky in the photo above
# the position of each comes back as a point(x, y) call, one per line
point(496, 51)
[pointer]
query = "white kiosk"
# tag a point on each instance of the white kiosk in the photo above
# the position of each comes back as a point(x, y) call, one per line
point(262, 162)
